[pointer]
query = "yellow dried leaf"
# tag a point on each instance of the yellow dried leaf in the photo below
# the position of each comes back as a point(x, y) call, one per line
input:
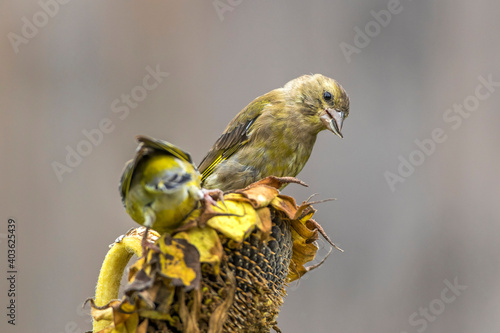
point(135, 268)
point(239, 224)
point(179, 261)
point(120, 314)
point(143, 327)
point(304, 249)
point(304, 212)
point(233, 196)
point(207, 241)
point(102, 314)
point(303, 253)
point(303, 232)
point(152, 314)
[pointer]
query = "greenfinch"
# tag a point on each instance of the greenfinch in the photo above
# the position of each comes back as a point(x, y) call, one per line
point(161, 186)
point(274, 135)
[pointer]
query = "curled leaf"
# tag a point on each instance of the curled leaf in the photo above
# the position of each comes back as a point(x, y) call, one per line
point(180, 262)
point(207, 242)
point(238, 225)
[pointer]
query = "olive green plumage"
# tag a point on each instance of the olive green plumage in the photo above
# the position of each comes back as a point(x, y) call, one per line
point(275, 134)
point(160, 186)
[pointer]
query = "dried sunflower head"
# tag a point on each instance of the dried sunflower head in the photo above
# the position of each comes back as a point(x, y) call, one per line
point(222, 274)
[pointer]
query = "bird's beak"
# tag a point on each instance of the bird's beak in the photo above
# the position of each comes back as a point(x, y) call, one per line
point(333, 120)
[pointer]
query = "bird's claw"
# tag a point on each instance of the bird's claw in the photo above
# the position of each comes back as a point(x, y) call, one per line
point(210, 197)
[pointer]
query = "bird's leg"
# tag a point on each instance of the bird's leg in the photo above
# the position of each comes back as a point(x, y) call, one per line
point(149, 219)
point(211, 196)
point(146, 246)
point(208, 200)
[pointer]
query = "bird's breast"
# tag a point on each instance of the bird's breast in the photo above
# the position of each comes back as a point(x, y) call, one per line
point(280, 155)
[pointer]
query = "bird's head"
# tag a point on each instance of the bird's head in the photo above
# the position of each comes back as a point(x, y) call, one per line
point(320, 100)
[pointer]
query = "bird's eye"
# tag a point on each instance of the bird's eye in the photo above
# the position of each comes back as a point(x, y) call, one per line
point(327, 96)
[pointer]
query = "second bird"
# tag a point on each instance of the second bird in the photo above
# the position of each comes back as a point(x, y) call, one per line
point(274, 135)
point(160, 187)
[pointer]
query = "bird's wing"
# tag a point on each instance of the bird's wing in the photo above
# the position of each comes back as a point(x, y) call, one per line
point(234, 137)
point(125, 180)
point(165, 146)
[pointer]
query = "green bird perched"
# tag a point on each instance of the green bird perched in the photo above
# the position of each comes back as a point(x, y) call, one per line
point(160, 186)
point(274, 135)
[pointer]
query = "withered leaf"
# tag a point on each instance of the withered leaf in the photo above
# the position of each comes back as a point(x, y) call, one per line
point(180, 262)
point(237, 226)
point(207, 242)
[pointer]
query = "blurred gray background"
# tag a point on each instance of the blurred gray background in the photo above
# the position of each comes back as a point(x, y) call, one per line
point(64, 69)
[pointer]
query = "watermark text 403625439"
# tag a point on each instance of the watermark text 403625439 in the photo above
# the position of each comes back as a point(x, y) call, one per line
point(11, 271)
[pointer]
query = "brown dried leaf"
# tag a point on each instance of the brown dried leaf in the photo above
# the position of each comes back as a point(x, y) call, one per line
point(313, 224)
point(180, 262)
point(207, 242)
point(285, 204)
point(304, 212)
point(303, 250)
point(140, 281)
point(304, 234)
point(259, 195)
point(219, 316)
point(123, 316)
point(265, 223)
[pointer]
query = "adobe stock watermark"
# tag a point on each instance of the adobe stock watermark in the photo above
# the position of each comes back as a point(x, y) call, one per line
point(223, 6)
point(372, 29)
point(121, 108)
point(421, 319)
point(31, 27)
point(454, 118)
